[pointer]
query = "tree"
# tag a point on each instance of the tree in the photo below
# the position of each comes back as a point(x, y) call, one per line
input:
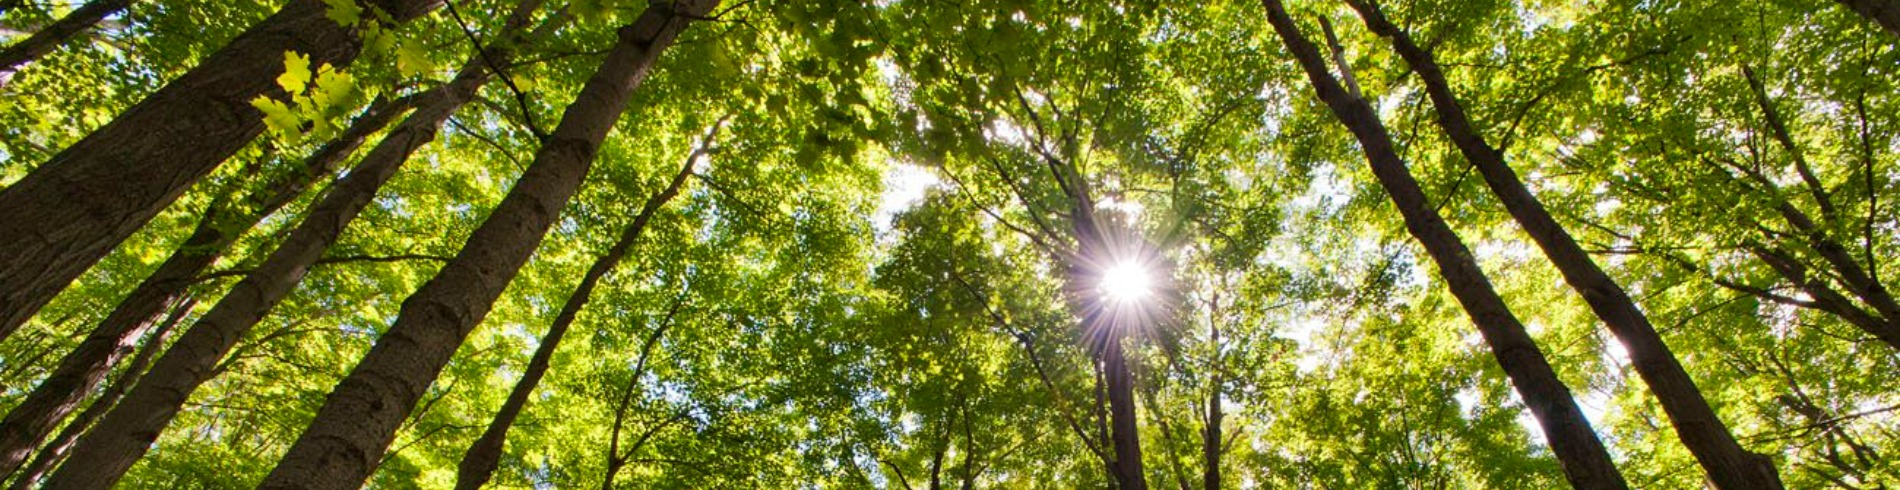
point(127, 432)
point(894, 272)
point(1586, 463)
point(52, 36)
point(358, 421)
point(82, 370)
point(1727, 463)
point(478, 464)
point(71, 210)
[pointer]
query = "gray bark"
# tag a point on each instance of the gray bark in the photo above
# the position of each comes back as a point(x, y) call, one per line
point(1728, 465)
point(1585, 462)
point(478, 463)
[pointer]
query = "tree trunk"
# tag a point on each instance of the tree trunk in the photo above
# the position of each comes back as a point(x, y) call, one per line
point(128, 431)
point(1211, 432)
point(361, 415)
point(1585, 461)
point(52, 36)
point(73, 209)
point(82, 370)
point(1123, 431)
point(617, 459)
point(478, 463)
point(55, 451)
point(1729, 466)
point(1883, 12)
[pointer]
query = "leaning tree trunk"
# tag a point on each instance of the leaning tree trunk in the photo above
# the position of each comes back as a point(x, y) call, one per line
point(1883, 12)
point(1729, 466)
point(478, 463)
point(55, 451)
point(360, 417)
point(82, 370)
point(56, 34)
point(1585, 461)
point(129, 430)
point(67, 214)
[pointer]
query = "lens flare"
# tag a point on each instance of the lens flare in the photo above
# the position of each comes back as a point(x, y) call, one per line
point(1126, 282)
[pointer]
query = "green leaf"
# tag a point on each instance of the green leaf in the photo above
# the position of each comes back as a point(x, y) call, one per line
point(278, 117)
point(413, 60)
point(345, 12)
point(296, 73)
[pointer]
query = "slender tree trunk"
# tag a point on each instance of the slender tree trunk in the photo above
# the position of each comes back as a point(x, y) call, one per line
point(55, 451)
point(52, 36)
point(1729, 465)
point(1123, 429)
point(129, 430)
point(361, 415)
point(1211, 433)
point(80, 371)
point(617, 459)
point(1585, 461)
point(1883, 12)
point(478, 463)
point(73, 209)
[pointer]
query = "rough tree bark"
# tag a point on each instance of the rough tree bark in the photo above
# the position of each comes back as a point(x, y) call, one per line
point(356, 423)
point(55, 451)
point(478, 463)
point(56, 34)
point(1585, 462)
point(129, 430)
point(1883, 12)
point(1728, 465)
point(67, 214)
point(82, 369)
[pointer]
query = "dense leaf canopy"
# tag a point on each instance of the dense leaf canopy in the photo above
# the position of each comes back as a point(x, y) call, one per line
point(885, 264)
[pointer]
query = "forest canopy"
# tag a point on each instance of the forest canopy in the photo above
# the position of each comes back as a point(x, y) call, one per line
point(924, 244)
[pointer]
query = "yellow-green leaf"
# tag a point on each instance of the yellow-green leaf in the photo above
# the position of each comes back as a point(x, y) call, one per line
point(296, 72)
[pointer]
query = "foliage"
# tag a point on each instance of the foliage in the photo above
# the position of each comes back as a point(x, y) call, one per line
point(868, 280)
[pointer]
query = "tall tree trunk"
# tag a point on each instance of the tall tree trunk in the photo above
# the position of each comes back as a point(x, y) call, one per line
point(361, 415)
point(82, 370)
point(56, 34)
point(55, 451)
point(1123, 429)
point(129, 430)
point(1211, 432)
point(67, 214)
point(478, 463)
point(1585, 461)
point(1729, 466)
point(1883, 12)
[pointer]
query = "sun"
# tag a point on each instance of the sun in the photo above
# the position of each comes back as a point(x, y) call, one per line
point(1126, 281)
